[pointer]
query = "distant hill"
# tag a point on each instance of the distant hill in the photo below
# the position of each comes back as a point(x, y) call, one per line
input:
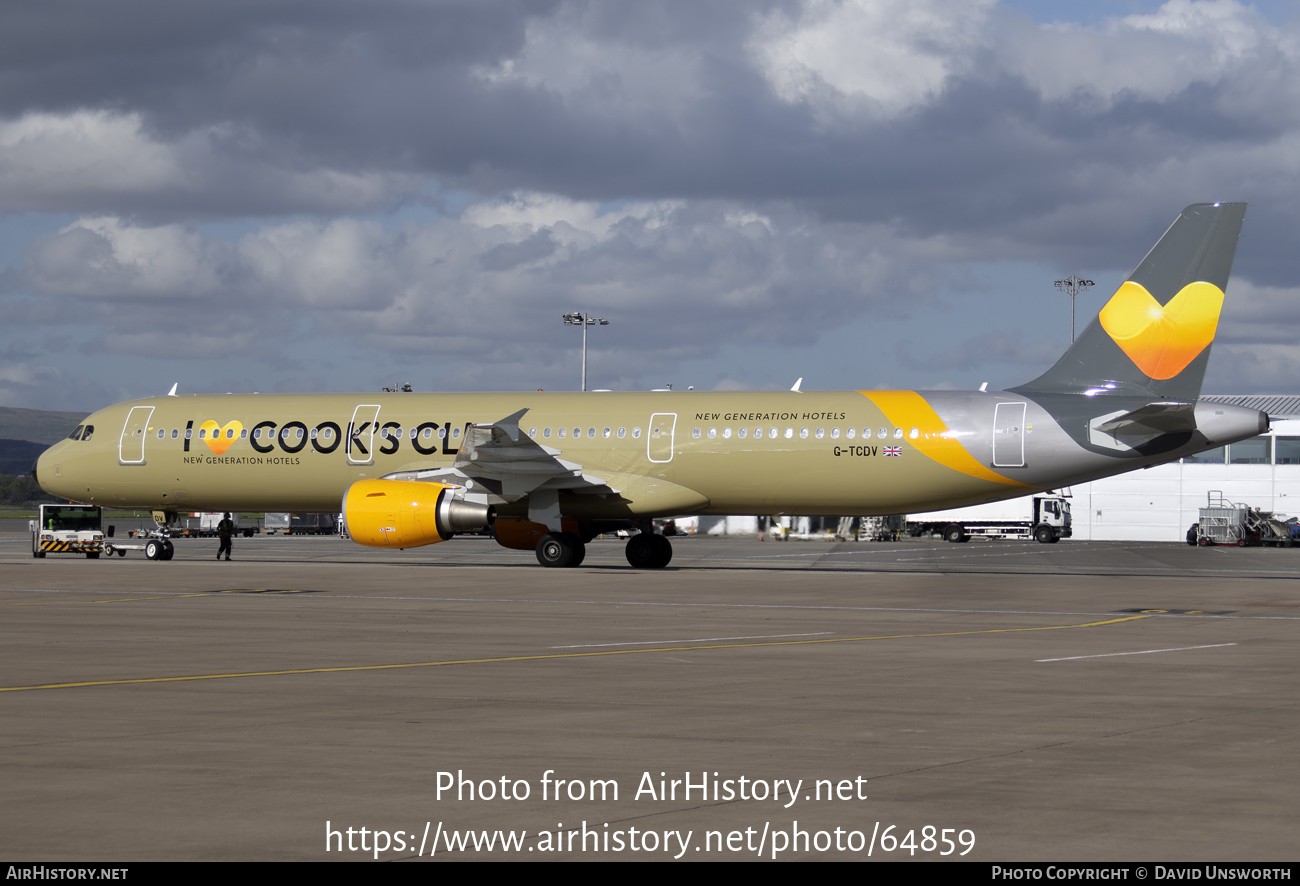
point(17, 456)
point(36, 426)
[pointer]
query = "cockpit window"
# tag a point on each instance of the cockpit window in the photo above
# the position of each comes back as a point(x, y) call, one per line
point(90, 429)
point(76, 434)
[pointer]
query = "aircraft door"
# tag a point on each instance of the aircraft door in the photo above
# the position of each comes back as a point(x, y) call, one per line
point(1009, 435)
point(659, 442)
point(360, 437)
point(130, 448)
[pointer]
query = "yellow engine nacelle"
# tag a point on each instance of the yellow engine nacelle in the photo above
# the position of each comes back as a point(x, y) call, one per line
point(408, 514)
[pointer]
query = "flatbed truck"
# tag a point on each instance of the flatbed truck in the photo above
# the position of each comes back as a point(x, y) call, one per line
point(1044, 518)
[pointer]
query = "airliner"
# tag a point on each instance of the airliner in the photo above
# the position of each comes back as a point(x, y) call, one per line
point(547, 472)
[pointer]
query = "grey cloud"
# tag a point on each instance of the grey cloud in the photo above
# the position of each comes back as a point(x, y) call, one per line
point(284, 107)
point(980, 351)
point(683, 281)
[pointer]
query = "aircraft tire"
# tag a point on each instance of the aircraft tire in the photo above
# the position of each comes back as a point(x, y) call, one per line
point(642, 551)
point(153, 550)
point(954, 533)
point(579, 550)
point(1044, 535)
point(169, 550)
point(665, 555)
point(555, 550)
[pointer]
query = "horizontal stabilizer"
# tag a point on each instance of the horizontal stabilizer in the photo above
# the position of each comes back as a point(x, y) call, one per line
point(1152, 420)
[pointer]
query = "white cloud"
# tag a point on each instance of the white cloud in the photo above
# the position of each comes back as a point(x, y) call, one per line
point(683, 280)
point(90, 159)
point(896, 54)
point(1154, 57)
point(47, 156)
point(108, 258)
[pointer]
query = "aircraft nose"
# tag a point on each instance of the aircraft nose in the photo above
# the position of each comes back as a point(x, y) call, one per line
point(45, 475)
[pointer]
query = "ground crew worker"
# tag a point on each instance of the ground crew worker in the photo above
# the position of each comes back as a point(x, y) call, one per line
point(225, 529)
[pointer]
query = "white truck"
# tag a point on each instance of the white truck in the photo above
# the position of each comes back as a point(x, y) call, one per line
point(68, 529)
point(1044, 518)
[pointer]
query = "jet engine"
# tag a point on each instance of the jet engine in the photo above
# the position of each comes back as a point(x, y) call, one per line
point(408, 514)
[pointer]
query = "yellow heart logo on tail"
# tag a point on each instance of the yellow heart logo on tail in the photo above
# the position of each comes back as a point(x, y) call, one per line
point(1162, 340)
point(218, 438)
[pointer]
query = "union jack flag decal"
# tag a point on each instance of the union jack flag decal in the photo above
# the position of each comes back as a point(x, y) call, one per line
point(893, 450)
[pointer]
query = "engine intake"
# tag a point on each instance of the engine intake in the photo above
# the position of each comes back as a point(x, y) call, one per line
point(408, 514)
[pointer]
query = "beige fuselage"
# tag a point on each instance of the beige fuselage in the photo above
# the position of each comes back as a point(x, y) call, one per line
point(758, 453)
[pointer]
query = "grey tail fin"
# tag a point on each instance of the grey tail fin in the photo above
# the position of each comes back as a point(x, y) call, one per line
point(1152, 339)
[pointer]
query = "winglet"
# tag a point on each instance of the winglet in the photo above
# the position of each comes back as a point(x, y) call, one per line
point(796, 385)
point(172, 392)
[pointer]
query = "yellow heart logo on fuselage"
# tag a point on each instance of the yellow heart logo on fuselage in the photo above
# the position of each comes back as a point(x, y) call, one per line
point(1162, 340)
point(218, 438)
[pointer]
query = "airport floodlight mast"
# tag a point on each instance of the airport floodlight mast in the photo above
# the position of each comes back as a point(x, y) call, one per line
point(581, 319)
point(1074, 286)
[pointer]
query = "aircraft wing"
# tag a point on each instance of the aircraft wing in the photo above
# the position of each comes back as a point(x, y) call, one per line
point(500, 462)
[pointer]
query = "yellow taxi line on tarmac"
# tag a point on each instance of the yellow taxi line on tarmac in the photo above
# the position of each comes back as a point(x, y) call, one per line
point(136, 599)
point(466, 661)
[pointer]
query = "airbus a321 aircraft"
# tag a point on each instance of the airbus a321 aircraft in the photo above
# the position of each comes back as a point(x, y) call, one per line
point(549, 471)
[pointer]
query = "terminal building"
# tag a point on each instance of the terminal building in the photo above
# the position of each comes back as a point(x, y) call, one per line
point(1158, 503)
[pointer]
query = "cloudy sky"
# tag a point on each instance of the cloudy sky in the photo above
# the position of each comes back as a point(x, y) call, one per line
point(339, 195)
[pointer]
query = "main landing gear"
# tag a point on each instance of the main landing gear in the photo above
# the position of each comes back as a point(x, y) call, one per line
point(565, 549)
point(648, 551)
point(561, 549)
